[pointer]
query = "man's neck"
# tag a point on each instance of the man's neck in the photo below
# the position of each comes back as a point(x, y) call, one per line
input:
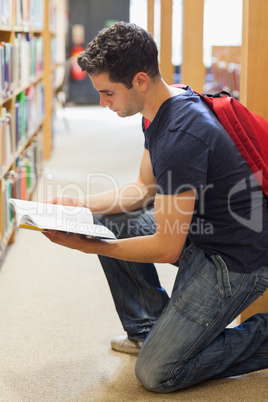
point(158, 93)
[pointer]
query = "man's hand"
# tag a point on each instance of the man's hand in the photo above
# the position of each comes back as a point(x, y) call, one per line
point(72, 240)
point(66, 200)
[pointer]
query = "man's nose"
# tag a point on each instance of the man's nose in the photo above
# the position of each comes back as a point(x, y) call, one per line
point(103, 100)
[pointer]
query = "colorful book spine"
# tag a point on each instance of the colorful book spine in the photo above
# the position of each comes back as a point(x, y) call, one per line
point(6, 65)
point(20, 104)
point(2, 72)
point(20, 182)
point(20, 62)
point(29, 13)
point(8, 186)
point(26, 172)
point(29, 112)
point(5, 138)
point(6, 12)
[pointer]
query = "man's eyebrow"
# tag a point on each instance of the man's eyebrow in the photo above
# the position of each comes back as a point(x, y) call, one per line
point(104, 91)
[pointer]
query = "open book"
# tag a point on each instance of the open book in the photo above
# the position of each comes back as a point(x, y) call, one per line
point(42, 216)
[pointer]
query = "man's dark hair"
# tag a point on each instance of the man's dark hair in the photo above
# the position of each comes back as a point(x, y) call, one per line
point(122, 51)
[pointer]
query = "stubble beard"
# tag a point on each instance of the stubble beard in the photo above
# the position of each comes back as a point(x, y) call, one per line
point(135, 105)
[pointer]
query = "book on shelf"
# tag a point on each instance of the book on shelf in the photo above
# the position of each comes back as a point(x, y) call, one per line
point(28, 164)
point(2, 72)
point(21, 178)
point(6, 146)
point(21, 118)
point(25, 57)
point(39, 145)
point(43, 216)
point(8, 184)
point(6, 12)
point(29, 112)
point(7, 66)
point(16, 62)
point(28, 13)
point(18, 21)
point(27, 169)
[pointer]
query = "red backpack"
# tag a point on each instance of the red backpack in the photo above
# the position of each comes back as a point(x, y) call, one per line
point(248, 131)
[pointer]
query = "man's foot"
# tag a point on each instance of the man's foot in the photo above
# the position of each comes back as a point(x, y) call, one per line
point(125, 345)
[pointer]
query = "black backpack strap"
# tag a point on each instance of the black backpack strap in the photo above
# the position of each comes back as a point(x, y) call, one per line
point(218, 94)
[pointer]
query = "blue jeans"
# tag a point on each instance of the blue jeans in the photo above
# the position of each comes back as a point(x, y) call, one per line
point(186, 339)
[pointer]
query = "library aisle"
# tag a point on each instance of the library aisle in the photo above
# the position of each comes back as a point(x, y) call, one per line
point(56, 313)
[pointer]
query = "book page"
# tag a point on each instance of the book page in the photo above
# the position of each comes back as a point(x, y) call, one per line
point(59, 217)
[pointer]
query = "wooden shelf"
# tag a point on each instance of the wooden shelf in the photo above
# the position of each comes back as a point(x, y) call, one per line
point(39, 141)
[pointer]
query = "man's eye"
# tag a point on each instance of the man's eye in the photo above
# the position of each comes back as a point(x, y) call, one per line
point(109, 93)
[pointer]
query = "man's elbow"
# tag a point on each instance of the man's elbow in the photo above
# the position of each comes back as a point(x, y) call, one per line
point(173, 259)
point(167, 249)
point(169, 257)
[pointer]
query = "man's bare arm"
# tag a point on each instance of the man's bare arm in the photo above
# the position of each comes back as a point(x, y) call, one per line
point(128, 197)
point(173, 214)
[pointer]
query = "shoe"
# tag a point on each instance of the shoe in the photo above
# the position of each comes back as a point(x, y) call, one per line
point(125, 345)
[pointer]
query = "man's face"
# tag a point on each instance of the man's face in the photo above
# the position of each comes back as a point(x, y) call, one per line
point(125, 102)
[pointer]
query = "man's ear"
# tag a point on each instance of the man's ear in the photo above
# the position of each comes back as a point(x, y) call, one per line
point(141, 81)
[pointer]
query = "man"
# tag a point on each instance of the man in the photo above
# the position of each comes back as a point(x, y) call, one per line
point(195, 204)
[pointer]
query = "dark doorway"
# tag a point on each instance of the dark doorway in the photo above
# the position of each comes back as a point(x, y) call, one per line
point(93, 15)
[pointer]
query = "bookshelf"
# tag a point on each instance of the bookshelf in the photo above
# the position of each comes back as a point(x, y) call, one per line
point(27, 51)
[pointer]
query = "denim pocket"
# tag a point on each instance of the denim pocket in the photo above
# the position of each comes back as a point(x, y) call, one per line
point(229, 281)
point(261, 284)
point(202, 296)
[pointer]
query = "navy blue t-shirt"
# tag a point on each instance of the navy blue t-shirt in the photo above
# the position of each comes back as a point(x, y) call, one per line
point(189, 148)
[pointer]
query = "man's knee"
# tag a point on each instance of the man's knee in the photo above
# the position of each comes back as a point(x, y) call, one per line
point(160, 376)
point(117, 223)
point(130, 224)
point(145, 373)
point(152, 373)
